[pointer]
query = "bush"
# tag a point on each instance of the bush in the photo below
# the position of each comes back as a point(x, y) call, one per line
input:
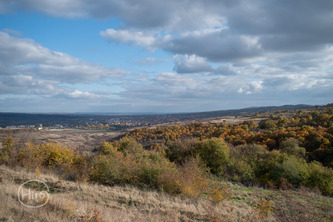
point(265, 165)
point(291, 147)
point(194, 180)
point(7, 148)
point(49, 155)
point(241, 171)
point(188, 179)
point(150, 166)
point(244, 161)
point(170, 181)
point(320, 178)
point(80, 167)
point(220, 193)
point(127, 162)
point(107, 148)
point(293, 169)
point(129, 146)
point(180, 150)
point(215, 154)
point(113, 169)
point(117, 163)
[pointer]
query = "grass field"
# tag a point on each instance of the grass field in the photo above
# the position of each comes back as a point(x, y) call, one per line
point(73, 201)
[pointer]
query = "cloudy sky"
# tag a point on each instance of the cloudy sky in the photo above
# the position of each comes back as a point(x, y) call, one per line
point(164, 56)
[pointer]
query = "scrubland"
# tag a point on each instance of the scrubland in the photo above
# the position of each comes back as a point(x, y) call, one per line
point(81, 201)
point(277, 170)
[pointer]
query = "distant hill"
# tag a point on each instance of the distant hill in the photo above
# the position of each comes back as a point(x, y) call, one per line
point(249, 111)
point(77, 119)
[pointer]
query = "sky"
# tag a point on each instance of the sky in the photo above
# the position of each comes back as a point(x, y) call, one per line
point(164, 56)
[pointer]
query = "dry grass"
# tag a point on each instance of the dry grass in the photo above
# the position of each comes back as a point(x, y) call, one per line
point(70, 201)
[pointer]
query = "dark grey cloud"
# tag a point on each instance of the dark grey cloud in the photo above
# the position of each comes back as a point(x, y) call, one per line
point(273, 26)
point(224, 70)
point(298, 25)
point(217, 46)
point(143, 14)
point(248, 29)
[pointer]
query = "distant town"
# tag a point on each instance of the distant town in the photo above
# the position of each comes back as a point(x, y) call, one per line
point(114, 122)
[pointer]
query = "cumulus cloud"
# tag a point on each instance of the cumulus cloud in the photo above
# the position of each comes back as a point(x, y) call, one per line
point(191, 64)
point(177, 87)
point(264, 51)
point(280, 25)
point(77, 94)
point(134, 38)
point(195, 64)
point(220, 31)
point(29, 68)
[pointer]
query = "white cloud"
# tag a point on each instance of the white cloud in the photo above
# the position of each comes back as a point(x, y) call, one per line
point(262, 52)
point(191, 64)
point(251, 87)
point(31, 69)
point(135, 38)
point(82, 95)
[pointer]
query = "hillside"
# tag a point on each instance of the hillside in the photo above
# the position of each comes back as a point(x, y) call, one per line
point(274, 166)
point(72, 201)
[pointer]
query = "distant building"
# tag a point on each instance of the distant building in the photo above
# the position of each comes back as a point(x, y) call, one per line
point(40, 127)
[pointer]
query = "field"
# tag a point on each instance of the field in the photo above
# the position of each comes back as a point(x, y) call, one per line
point(82, 140)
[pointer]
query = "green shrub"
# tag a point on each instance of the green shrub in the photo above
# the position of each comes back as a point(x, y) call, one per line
point(276, 166)
point(7, 148)
point(291, 147)
point(150, 166)
point(265, 165)
point(113, 169)
point(240, 171)
point(293, 169)
point(321, 178)
point(107, 148)
point(180, 150)
point(215, 154)
point(117, 163)
point(244, 161)
point(129, 145)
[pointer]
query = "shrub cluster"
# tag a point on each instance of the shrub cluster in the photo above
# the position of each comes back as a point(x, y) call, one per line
point(255, 164)
point(180, 167)
point(126, 162)
point(117, 163)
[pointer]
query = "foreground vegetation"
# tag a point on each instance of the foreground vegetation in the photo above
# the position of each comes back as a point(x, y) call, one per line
point(80, 201)
point(289, 156)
